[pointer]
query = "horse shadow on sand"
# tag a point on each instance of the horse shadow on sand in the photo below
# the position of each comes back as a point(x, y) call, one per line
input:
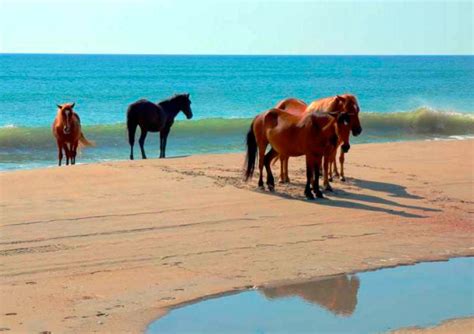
point(393, 190)
point(341, 198)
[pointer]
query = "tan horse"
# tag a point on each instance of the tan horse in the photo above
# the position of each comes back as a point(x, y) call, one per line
point(68, 133)
point(290, 134)
point(347, 108)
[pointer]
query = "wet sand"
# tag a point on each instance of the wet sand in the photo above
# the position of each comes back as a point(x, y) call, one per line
point(108, 247)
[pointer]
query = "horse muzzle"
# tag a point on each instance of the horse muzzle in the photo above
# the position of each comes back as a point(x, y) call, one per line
point(345, 148)
point(356, 131)
point(66, 130)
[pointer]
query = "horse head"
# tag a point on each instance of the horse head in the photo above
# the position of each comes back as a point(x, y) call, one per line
point(343, 129)
point(185, 105)
point(65, 113)
point(348, 104)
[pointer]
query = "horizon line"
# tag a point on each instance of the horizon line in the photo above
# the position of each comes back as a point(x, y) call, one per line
point(247, 55)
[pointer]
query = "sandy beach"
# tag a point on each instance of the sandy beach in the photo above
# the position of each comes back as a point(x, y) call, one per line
point(109, 247)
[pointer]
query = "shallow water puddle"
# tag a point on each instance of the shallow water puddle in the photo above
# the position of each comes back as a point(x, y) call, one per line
point(421, 295)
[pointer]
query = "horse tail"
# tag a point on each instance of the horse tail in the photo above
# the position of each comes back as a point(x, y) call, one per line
point(84, 142)
point(251, 156)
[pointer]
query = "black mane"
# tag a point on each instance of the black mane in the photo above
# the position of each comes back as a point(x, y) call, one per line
point(175, 98)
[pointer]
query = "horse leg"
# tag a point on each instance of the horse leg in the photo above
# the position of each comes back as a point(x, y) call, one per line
point(309, 177)
point(261, 159)
point(141, 141)
point(163, 140)
point(341, 161)
point(317, 167)
point(332, 164)
point(267, 161)
point(60, 152)
point(284, 169)
point(330, 171)
point(68, 153)
point(287, 178)
point(74, 153)
point(327, 162)
point(132, 128)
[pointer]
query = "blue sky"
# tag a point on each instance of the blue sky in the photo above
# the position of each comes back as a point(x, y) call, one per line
point(236, 27)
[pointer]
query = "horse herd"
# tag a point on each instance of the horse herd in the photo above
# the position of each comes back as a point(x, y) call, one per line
point(292, 128)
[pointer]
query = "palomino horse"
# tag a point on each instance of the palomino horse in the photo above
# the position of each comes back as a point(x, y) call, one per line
point(153, 117)
point(348, 106)
point(348, 119)
point(290, 135)
point(68, 133)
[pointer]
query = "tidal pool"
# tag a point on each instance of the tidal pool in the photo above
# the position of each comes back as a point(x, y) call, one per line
point(423, 295)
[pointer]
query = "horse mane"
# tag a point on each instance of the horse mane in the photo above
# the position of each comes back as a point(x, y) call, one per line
point(173, 98)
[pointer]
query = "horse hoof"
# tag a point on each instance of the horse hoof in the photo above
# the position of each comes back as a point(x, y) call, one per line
point(330, 179)
point(319, 194)
point(343, 179)
point(271, 188)
point(328, 188)
point(309, 196)
point(282, 181)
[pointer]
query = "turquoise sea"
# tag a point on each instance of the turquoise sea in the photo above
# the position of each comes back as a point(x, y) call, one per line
point(401, 98)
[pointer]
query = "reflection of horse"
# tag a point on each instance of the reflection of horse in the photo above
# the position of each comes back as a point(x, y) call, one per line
point(153, 117)
point(337, 294)
point(68, 133)
point(290, 135)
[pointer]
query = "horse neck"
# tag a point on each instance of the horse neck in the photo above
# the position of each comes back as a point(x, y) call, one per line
point(339, 130)
point(170, 108)
point(59, 118)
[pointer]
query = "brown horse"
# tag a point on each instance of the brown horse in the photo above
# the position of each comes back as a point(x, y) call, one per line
point(295, 106)
point(348, 119)
point(349, 108)
point(68, 133)
point(290, 134)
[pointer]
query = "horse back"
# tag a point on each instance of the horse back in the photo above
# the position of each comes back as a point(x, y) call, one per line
point(146, 114)
point(324, 105)
point(292, 105)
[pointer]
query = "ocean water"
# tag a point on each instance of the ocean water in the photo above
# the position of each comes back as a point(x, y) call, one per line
point(401, 98)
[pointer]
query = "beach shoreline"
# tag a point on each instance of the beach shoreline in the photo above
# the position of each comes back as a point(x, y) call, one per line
point(75, 239)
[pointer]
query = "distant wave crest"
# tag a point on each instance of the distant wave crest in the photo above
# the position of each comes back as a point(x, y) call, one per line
point(423, 121)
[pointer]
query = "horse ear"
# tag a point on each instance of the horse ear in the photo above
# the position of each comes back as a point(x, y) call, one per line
point(187, 95)
point(73, 104)
point(59, 106)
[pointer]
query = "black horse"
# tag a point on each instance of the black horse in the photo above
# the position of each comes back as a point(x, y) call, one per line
point(155, 118)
